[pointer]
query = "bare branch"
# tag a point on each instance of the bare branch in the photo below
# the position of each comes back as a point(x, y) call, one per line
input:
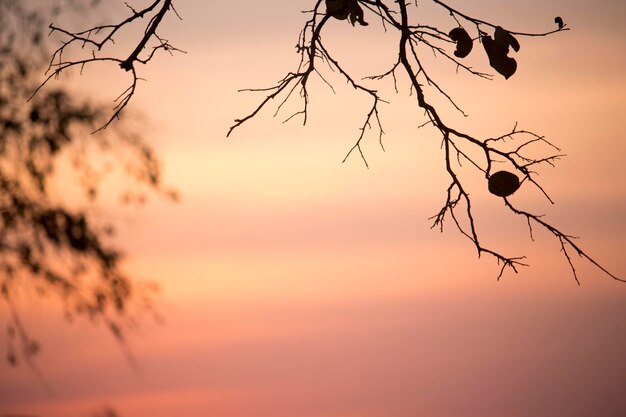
point(94, 40)
point(511, 149)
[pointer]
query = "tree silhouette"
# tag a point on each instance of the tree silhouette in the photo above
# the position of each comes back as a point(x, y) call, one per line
point(34, 135)
point(54, 244)
point(93, 46)
point(513, 149)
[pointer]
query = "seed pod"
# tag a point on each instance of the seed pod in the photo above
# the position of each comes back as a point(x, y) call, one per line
point(463, 41)
point(503, 183)
point(342, 9)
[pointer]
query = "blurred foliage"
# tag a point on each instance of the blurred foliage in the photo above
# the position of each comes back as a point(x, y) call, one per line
point(50, 240)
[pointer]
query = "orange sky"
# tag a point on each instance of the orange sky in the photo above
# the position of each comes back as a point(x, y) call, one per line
point(295, 285)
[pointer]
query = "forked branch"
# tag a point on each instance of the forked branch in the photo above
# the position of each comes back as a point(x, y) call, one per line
point(93, 43)
point(458, 146)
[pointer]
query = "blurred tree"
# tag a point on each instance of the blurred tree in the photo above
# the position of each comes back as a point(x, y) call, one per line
point(51, 242)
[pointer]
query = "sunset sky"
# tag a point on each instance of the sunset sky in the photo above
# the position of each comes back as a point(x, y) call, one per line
point(297, 286)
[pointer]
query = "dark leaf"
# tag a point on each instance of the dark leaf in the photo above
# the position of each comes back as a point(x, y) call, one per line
point(504, 39)
point(342, 9)
point(559, 21)
point(498, 58)
point(463, 41)
point(337, 9)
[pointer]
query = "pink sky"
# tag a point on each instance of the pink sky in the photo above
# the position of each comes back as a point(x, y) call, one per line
point(295, 285)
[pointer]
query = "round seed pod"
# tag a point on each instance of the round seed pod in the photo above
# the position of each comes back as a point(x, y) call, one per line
point(503, 183)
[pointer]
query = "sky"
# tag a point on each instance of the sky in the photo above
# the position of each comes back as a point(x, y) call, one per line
point(297, 285)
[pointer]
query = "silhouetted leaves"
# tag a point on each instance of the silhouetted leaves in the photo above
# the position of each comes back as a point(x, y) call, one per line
point(498, 49)
point(344, 9)
point(559, 21)
point(503, 183)
point(46, 242)
point(463, 41)
point(504, 39)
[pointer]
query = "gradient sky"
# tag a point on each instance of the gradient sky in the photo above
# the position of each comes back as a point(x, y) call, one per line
point(294, 285)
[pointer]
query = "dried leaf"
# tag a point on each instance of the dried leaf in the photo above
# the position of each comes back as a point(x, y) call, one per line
point(337, 9)
point(559, 21)
point(463, 41)
point(498, 58)
point(342, 9)
point(504, 39)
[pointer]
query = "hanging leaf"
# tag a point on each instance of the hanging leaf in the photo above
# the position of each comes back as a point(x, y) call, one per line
point(463, 41)
point(498, 58)
point(356, 13)
point(337, 9)
point(503, 183)
point(342, 9)
point(504, 39)
point(559, 21)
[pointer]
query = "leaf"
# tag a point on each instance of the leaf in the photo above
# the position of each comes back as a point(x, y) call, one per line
point(559, 21)
point(356, 13)
point(503, 183)
point(337, 9)
point(463, 41)
point(342, 9)
point(504, 39)
point(498, 58)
